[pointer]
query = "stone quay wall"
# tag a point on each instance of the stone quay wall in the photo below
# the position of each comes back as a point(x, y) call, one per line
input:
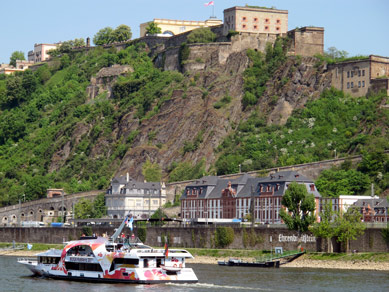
point(267, 238)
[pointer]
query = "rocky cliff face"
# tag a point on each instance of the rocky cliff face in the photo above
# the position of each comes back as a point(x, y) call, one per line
point(210, 75)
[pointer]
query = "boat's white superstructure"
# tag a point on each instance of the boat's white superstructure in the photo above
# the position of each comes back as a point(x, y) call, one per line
point(102, 259)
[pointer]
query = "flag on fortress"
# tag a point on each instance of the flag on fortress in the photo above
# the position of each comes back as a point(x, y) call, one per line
point(211, 3)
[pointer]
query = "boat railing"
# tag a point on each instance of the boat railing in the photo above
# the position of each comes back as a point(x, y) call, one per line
point(29, 260)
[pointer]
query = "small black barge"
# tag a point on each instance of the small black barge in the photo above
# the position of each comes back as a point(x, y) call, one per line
point(237, 262)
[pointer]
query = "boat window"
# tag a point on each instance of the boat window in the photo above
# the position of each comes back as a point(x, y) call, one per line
point(49, 260)
point(123, 261)
point(83, 267)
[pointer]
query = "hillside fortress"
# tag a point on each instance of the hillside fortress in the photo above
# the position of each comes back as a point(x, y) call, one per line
point(252, 27)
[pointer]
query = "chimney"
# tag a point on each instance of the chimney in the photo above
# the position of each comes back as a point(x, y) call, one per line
point(128, 177)
point(88, 42)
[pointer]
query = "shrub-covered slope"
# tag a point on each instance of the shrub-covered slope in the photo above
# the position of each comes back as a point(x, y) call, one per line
point(53, 135)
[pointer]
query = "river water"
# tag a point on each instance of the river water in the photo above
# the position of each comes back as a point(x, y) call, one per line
point(15, 277)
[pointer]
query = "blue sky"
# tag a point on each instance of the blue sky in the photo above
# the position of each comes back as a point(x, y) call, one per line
point(356, 26)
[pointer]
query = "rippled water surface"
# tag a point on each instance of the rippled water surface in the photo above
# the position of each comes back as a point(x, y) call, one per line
point(15, 277)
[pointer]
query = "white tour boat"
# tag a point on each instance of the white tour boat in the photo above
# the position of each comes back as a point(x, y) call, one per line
point(106, 260)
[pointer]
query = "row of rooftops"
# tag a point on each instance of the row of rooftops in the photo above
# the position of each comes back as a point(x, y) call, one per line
point(210, 187)
point(129, 183)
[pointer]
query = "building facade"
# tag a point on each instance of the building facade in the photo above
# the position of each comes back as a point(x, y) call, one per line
point(253, 19)
point(359, 77)
point(39, 54)
point(307, 41)
point(214, 198)
point(141, 199)
point(170, 27)
point(21, 65)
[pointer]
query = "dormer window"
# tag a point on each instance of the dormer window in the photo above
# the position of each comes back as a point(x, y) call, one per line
point(312, 187)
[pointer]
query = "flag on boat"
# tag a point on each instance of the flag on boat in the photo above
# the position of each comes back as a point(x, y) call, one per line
point(166, 253)
point(29, 246)
point(211, 3)
point(129, 223)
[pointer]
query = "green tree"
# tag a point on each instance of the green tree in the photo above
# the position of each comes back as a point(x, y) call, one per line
point(300, 208)
point(151, 171)
point(121, 33)
point(326, 227)
point(83, 209)
point(103, 36)
point(349, 226)
point(17, 55)
point(224, 236)
point(99, 208)
point(201, 35)
point(153, 28)
point(334, 53)
point(335, 182)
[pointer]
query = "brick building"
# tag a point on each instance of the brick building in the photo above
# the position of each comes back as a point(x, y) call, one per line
point(214, 198)
point(253, 19)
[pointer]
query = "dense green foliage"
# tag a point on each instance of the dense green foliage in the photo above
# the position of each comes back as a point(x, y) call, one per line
point(224, 236)
point(40, 112)
point(349, 226)
point(263, 67)
point(109, 35)
point(153, 28)
point(201, 35)
point(334, 124)
point(300, 208)
point(151, 171)
point(17, 55)
point(142, 233)
point(85, 208)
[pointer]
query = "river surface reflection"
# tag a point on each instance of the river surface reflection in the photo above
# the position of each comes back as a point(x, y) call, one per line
point(14, 277)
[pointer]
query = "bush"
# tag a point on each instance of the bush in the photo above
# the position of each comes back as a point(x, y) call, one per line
point(224, 236)
point(142, 234)
point(201, 35)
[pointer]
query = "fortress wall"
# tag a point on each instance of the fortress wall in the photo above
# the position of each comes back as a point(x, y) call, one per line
point(202, 236)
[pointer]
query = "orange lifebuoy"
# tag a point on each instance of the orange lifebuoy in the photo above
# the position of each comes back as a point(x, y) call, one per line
point(175, 265)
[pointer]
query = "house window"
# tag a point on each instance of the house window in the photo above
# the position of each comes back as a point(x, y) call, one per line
point(244, 26)
point(255, 19)
point(363, 72)
point(244, 18)
point(277, 28)
point(348, 84)
point(359, 73)
point(359, 84)
point(312, 187)
point(266, 28)
point(352, 84)
point(267, 20)
point(363, 83)
point(348, 74)
point(352, 74)
point(255, 27)
point(278, 21)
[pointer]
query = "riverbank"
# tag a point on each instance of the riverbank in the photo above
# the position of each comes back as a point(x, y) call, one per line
point(305, 262)
point(302, 262)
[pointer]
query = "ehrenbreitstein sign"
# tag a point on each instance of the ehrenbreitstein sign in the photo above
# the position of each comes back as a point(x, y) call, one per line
point(294, 238)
